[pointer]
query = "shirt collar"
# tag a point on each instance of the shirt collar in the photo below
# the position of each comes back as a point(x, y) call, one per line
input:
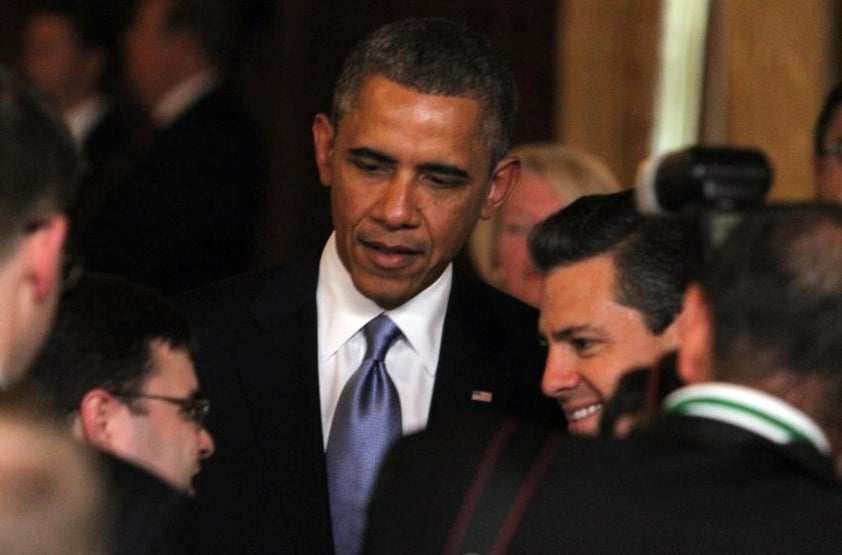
point(182, 96)
point(81, 118)
point(748, 408)
point(343, 310)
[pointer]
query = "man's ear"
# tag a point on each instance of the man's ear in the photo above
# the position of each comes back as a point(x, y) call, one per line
point(671, 337)
point(695, 338)
point(43, 251)
point(96, 411)
point(324, 136)
point(505, 176)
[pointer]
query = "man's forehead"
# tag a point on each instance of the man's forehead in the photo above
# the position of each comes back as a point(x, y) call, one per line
point(402, 124)
point(579, 293)
point(172, 364)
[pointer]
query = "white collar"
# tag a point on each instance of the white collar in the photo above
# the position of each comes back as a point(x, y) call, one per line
point(80, 119)
point(182, 96)
point(343, 310)
point(750, 409)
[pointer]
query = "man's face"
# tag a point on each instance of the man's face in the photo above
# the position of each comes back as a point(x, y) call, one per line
point(149, 48)
point(409, 178)
point(531, 201)
point(163, 438)
point(53, 58)
point(828, 167)
point(39, 252)
point(592, 340)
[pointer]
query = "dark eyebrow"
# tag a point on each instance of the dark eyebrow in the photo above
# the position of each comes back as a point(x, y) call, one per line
point(443, 169)
point(567, 333)
point(365, 152)
point(429, 167)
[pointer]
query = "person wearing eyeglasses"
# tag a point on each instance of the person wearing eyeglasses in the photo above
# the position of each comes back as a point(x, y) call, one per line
point(827, 148)
point(119, 364)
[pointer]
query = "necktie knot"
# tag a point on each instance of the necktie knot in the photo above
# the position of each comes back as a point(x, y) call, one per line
point(380, 333)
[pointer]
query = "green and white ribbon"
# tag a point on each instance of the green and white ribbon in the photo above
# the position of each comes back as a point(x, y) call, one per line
point(750, 409)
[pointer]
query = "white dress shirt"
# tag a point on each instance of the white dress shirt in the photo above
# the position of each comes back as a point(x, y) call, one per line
point(183, 96)
point(411, 361)
point(82, 118)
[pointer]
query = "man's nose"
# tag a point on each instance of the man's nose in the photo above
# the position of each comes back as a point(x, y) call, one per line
point(206, 445)
point(397, 205)
point(560, 372)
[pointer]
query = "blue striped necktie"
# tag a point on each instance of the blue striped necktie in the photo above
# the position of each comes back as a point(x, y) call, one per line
point(366, 422)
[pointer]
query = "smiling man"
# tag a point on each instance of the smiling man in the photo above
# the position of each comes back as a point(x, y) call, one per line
point(414, 153)
point(611, 298)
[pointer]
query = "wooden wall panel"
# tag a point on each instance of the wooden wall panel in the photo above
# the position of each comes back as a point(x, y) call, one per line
point(607, 67)
point(771, 63)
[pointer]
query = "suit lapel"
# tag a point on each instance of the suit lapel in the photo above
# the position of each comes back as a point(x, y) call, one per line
point(466, 364)
point(284, 391)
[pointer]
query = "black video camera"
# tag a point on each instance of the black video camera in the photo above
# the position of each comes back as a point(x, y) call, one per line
point(713, 187)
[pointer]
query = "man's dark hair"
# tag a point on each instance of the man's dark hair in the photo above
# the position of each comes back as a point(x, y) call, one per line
point(38, 160)
point(831, 103)
point(435, 56)
point(102, 338)
point(651, 255)
point(214, 24)
point(775, 295)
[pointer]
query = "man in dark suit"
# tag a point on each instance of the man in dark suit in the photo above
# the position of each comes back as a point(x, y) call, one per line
point(118, 368)
point(69, 52)
point(742, 461)
point(184, 208)
point(414, 153)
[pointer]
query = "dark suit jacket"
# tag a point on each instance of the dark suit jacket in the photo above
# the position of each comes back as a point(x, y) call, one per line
point(183, 211)
point(264, 490)
point(149, 516)
point(691, 485)
point(107, 143)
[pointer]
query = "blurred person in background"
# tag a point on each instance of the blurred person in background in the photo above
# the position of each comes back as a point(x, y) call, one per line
point(827, 148)
point(70, 54)
point(183, 210)
point(552, 176)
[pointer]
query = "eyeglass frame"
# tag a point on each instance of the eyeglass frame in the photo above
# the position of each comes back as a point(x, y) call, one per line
point(195, 407)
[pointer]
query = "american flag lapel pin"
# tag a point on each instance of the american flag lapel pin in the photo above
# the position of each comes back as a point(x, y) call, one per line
point(481, 396)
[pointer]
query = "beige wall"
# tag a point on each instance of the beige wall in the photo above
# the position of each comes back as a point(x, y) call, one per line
point(776, 60)
point(770, 63)
point(606, 67)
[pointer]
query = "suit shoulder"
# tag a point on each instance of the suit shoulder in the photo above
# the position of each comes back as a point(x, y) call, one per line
point(485, 299)
point(281, 287)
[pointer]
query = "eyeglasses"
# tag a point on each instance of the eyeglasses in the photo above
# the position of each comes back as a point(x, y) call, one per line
point(195, 408)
